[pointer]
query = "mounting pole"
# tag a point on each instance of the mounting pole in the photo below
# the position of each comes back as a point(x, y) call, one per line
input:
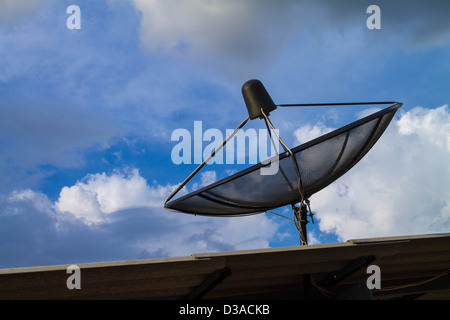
point(304, 221)
point(301, 219)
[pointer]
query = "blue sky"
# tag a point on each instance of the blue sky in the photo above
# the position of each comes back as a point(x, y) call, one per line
point(86, 118)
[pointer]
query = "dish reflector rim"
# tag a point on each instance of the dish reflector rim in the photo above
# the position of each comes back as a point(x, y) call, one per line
point(282, 155)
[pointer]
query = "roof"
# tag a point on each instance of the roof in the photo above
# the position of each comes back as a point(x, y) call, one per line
point(414, 267)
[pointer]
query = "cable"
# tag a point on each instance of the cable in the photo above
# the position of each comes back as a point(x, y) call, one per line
point(418, 283)
point(334, 104)
point(276, 150)
point(325, 292)
point(280, 215)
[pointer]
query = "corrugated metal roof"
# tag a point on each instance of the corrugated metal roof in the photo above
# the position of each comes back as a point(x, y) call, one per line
point(320, 271)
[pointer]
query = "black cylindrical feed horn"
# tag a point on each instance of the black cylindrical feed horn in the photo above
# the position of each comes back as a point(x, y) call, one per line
point(257, 98)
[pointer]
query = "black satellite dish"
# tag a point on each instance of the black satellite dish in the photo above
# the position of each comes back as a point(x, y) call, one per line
point(303, 170)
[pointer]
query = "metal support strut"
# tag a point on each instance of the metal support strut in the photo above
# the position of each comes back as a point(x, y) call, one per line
point(301, 214)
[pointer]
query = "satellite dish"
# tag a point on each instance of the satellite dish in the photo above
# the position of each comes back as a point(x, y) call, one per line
point(303, 170)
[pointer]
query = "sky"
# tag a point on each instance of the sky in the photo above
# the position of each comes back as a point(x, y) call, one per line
point(87, 116)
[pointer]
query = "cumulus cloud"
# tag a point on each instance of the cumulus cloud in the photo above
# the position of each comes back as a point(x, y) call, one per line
point(400, 187)
point(98, 195)
point(115, 216)
point(38, 200)
point(103, 198)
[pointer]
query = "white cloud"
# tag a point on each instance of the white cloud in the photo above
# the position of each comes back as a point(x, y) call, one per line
point(110, 200)
point(98, 195)
point(38, 200)
point(433, 126)
point(367, 112)
point(401, 187)
point(309, 132)
point(208, 177)
point(80, 202)
point(115, 217)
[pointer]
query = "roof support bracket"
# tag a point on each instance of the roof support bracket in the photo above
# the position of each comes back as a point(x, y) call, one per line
point(347, 271)
point(209, 283)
